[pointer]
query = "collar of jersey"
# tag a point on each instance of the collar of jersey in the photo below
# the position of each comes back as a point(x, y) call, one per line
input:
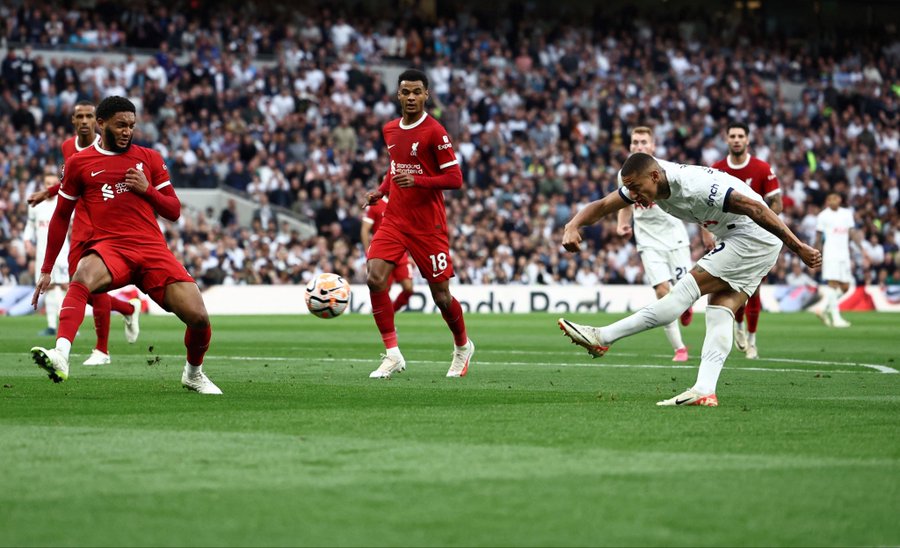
point(414, 124)
point(79, 149)
point(102, 150)
point(741, 166)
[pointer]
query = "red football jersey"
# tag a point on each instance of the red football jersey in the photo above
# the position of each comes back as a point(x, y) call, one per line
point(96, 177)
point(81, 225)
point(422, 148)
point(375, 213)
point(757, 174)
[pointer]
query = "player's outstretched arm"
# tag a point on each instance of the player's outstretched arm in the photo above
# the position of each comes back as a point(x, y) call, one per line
point(589, 215)
point(766, 218)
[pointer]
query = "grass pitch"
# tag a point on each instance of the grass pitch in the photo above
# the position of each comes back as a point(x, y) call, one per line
point(539, 445)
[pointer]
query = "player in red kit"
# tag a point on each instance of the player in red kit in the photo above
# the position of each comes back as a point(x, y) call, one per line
point(760, 176)
point(402, 273)
point(84, 120)
point(123, 187)
point(423, 165)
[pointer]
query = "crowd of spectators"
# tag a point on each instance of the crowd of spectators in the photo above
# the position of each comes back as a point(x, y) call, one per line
point(289, 111)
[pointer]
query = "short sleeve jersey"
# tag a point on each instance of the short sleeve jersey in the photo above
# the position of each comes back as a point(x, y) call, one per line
point(81, 225)
point(835, 226)
point(656, 229)
point(96, 178)
point(756, 173)
point(421, 148)
point(375, 214)
point(698, 194)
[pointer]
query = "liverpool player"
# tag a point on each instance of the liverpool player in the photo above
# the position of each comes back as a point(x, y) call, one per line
point(761, 178)
point(402, 273)
point(123, 187)
point(423, 165)
point(663, 243)
point(749, 238)
point(84, 120)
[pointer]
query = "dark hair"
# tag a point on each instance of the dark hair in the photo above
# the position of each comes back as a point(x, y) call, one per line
point(637, 163)
point(738, 125)
point(413, 75)
point(110, 106)
point(84, 103)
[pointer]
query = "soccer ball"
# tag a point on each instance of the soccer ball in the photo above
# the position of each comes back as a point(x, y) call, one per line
point(327, 295)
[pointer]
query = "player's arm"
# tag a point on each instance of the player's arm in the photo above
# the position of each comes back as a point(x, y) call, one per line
point(589, 215)
point(59, 228)
point(44, 194)
point(736, 202)
point(450, 179)
point(775, 203)
point(162, 197)
point(365, 232)
point(623, 228)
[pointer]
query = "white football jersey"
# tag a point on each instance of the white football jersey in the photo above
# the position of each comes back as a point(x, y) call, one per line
point(835, 227)
point(656, 229)
point(37, 230)
point(698, 195)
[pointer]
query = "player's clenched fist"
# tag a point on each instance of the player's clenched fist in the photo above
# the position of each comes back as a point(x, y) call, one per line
point(811, 256)
point(372, 197)
point(136, 180)
point(571, 238)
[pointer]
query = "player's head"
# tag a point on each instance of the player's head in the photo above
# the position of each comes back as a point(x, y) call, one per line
point(50, 178)
point(642, 140)
point(412, 91)
point(84, 118)
point(641, 175)
point(116, 116)
point(738, 135)
point(833, 201)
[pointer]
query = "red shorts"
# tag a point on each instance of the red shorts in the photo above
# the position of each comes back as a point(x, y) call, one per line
point(150, 267)
point(76, 250)
point(402, 270)
point(431, 252)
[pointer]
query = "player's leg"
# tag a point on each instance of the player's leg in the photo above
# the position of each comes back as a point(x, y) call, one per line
point(838, 290)
point(185, 301)
point(452, 312)
point(403, 276)
point(385, 250)
point(131, 312)
point(52, 303)
point(100, 353)
point(672, 331)
point(659, 272)
point(752, 308)
point(91, 274)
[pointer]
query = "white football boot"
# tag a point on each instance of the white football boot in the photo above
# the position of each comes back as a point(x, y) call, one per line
point(52, 361)
point(199, 382)
point(459, 366)
point(97, 358)
point(132, 323)
point(388, 367)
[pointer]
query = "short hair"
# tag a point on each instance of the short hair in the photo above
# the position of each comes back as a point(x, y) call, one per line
point(637, 163)
point(737, 125)
point(643, 129)
point(412, 75)
point(85, 103)
point(110, 106)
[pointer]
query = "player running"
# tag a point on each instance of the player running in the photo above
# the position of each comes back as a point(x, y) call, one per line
point(85, 123)
point(402, 273)
point(123, 186)
point(662, 242)
point(760, 176)
point(834, 228)
point(423, 165)
point(748, 235)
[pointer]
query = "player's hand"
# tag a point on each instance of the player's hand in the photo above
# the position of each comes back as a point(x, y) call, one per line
point(405, 180)
point(624, 230)
point(136, 180)
point(571, 239)
point(709, 241)
point(371, 198)
point(42, 284)
point(811, 256)
point(37, 197)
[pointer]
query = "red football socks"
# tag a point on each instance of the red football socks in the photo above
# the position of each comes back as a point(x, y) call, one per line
point(196, 340)
point(383, 312)
point(402, 300)
point(122, 307)
point(71, 314)
point(101, 303)
point(454, 318)
point(754, 306)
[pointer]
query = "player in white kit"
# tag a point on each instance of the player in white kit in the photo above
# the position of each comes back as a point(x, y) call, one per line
point(835, 225)
point(748, 235)
point(36, 231)
point(663, 243)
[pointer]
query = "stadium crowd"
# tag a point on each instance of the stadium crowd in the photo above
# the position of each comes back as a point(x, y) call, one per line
point(289, 111)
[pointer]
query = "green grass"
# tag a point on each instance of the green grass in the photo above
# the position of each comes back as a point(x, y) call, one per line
point(539, 445)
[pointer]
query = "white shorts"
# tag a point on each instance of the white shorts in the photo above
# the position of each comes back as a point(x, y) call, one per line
point(740, 261)
point(837, 271)
point(665, 266)
point(60, 273)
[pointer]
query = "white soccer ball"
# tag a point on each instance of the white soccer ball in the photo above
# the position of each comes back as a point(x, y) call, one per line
point(327, 295)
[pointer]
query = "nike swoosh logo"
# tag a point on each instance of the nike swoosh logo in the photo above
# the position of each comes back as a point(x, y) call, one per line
point(682, 402)
point(95, 173)
point(391, 146)
point(438, 274)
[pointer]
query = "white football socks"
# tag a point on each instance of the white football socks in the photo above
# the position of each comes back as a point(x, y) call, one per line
point(716, 346)
point(661, 312)
point(64, 346)
point(394, 353)
point(673, 333)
